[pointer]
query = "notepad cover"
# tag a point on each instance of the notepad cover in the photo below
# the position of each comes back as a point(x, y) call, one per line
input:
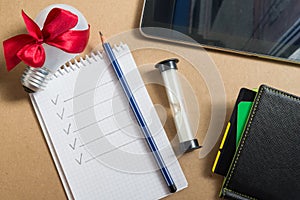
point(267, 162)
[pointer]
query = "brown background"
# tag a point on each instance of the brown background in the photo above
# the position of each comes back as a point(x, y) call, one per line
point(26, 167)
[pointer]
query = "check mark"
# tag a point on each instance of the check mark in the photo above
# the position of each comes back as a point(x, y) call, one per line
point(79, 160)
point(74, 144)
point(54, 101)
point(68, 129)
point(61, 116)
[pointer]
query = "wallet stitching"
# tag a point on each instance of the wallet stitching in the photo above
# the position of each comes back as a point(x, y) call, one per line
point(283, 94)
point(242, 143)
point(245, 136)
point(247, 132)
point(243, 195)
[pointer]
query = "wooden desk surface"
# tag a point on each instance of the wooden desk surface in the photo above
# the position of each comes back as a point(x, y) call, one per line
point(26, 167)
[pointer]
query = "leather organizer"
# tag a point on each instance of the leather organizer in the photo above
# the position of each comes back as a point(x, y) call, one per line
point(266, 164)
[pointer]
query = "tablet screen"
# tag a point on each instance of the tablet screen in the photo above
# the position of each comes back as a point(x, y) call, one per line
point(261, 27)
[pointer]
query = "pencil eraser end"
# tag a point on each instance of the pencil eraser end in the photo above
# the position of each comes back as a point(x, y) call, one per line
point(173, 188)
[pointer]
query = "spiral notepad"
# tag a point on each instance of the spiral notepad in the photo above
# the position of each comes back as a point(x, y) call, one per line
point(94, 139)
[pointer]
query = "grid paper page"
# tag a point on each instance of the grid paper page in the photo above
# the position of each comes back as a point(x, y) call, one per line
point(94, 139)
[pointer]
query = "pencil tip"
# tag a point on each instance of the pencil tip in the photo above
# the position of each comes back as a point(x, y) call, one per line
point(101, 37)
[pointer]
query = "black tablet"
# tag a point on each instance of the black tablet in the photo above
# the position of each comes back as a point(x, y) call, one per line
point(265, 28)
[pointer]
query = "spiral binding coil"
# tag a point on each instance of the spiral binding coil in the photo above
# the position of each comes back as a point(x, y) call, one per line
point(87, 59)
point(35, 79)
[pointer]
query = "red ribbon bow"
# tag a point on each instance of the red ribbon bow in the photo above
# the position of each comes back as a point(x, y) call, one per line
point(56, 32)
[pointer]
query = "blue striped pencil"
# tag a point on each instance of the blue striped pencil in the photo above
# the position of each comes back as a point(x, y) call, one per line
point(137, 112)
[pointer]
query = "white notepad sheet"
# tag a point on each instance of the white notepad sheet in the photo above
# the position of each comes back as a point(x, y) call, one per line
point(95, 141)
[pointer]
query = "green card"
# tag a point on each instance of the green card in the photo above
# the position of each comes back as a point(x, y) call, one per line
point(243, 111)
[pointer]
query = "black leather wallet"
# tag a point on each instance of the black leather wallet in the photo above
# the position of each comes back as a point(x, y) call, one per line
point(266, 164)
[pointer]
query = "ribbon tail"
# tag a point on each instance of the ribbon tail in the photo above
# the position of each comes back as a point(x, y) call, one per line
point(72, 41)
point(11, 48)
